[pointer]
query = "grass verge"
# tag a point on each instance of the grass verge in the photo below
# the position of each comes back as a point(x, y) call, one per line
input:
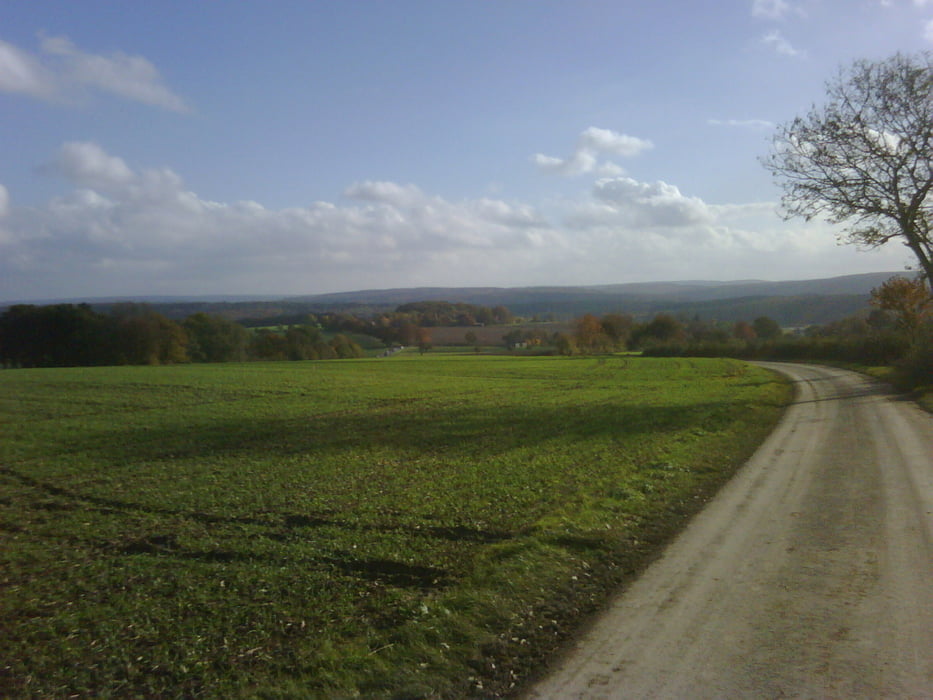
point(923, 395)
point(410, 527)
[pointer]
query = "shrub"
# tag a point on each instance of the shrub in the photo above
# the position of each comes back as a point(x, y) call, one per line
point(915, 368)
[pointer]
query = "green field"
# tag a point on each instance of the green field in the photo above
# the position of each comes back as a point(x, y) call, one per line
point(409, 527)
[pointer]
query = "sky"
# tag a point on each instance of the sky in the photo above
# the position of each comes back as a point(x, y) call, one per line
point(239, 148)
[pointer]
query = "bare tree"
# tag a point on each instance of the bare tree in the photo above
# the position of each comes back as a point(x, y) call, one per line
point(864, 158)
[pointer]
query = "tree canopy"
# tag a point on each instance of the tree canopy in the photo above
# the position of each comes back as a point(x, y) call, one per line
point(865, 158)
point(65, 335)
point(907, 299)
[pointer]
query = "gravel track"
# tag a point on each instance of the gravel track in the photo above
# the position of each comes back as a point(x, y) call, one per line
point(810, 575)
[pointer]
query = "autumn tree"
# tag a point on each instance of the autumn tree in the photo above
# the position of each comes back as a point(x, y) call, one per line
point(408, 333)
point(618, 328)
point(565, 344)
point(306, 343)
point(146, 337)
point(215, 338)
point(767, 328)
point(908, 300)
point(424, 340)
point(865, 158)
point(502, 315)
point(345, 347)
point(268, 345)
point(743, 330)
point(589, 334)
point(662, 329)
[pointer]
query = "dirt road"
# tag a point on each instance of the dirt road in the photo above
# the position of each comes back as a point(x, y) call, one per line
point(809, 575)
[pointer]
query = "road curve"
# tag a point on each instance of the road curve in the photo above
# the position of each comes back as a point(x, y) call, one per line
point(809, 575)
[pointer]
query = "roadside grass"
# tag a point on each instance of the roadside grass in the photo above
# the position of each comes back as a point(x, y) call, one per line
point(923, 395)
point(418, 526)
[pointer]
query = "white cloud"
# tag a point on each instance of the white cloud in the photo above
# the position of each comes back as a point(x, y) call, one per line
point(117, 219)
point(20, 72)
point(63, 70)
point(582, 161)
point(609, 169)
point(776, 41)
point(742, 123)
point(608, 141)
point(650, 205)
point(123, 230)
point(928, 31)
point(770, 9)
point(591, 143)
point(4, 202)
point(777, 10)
point(88, 165)
point(5, 237)
point(404, 196)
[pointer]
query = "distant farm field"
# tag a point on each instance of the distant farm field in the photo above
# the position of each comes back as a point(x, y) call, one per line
point(419, 526)
point(491, 335)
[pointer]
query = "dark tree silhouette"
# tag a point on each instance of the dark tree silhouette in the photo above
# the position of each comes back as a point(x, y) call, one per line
point(865, 158)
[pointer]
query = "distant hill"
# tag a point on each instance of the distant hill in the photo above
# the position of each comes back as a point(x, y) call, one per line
point(790, 303)
point(681, 291)
point(797, 302)
point(146, 299)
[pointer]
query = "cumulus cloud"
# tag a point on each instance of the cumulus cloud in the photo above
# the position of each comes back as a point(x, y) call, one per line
point(608, 169)
point(119, 229)
point(608, 141)
point(592, 143)
point(116, 218)
point(20, 72)
point(391, 193)
point(649, 205)
point(776, 41)
point(62, 70)
point(88, 165)
point(582, 161)
point(4, 213)
point(4, 202)
point(770, 9)
point(742, 123)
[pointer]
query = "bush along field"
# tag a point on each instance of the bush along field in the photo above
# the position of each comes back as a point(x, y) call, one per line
point(419, 526)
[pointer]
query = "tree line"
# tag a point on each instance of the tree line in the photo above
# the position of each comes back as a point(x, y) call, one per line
point(406, 325)
point(69, 335)
point(63, 335)
point(616, 332)
point(897, 332)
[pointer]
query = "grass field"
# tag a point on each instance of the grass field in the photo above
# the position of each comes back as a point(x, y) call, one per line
point(409, 527)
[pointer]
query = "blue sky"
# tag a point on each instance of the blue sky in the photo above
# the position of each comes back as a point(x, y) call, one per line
point(302, 147)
